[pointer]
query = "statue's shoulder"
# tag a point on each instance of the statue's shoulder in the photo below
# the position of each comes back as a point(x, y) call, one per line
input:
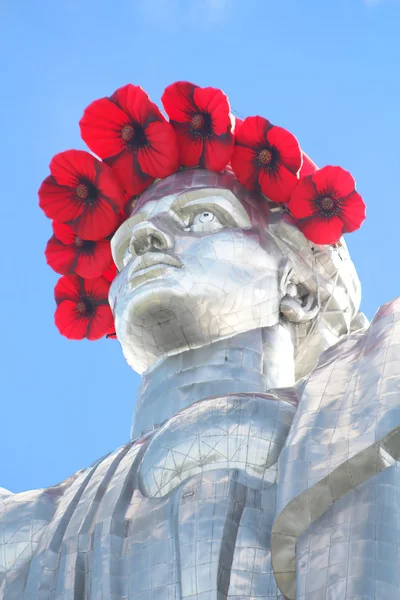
point(26, 516)
point(23, 517)
point(346, 430)
point(10, 501)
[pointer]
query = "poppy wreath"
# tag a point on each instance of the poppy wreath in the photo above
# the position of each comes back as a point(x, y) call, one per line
point(87, 196)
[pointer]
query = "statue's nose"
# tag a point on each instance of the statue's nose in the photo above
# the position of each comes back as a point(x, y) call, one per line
point(148, 237)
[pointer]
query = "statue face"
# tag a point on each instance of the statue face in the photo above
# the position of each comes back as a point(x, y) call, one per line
point(193, 270)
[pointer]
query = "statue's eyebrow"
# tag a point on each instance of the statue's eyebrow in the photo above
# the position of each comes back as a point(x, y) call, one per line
point(227, 201)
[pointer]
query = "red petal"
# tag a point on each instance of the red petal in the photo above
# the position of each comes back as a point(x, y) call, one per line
point(128, 172)
point(277, 185)
point(334, 180)
point(69, 322)
point(97, 221)
point(190, 148)
point(244, 166)
point(302, 202)
point(136, 103)
point(218, 152)
point(61, 258)
point(161, 157)
point(58, 202)
point(253, 132)
point(109, 187)
point(70, 166)
point(352, 212)
point(308, 167)
point(111, 335)
point(237, 123)
point(178, 101)
point(94, 263)
point(288, 147)
point(64, 233)
point(101, 127)
point(97, 289)
point(100, 323)
point(320, 230)
point(216, 104)
point(110, 273)
point(69, 287)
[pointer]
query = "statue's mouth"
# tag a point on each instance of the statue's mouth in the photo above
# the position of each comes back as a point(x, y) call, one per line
point(153, 258)
point(151, 265)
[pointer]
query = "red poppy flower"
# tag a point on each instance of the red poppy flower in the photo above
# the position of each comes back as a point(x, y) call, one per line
point(202, 122)
point(82, 192)
point(326, 205)
point(82, 307)
point(67, 253)
point(238, 123)
point(266, 158)
point(129, 132)
point(308, 167)
point(110, 273)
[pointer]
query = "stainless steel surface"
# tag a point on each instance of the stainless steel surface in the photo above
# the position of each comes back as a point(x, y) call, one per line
point(345, 432)
point(244, 432)
point(250, 466)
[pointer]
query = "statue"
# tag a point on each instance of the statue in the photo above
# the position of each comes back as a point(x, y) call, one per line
point(264, 446)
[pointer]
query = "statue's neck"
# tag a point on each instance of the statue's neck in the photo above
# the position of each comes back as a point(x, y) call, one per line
point(254, 361)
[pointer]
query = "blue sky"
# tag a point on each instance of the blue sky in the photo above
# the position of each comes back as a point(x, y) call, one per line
point(327, 70)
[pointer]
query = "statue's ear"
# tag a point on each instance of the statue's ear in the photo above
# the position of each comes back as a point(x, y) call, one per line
point(297, 304)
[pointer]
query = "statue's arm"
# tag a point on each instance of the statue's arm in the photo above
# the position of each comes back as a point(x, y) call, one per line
point(23, 519)
point(346, 431)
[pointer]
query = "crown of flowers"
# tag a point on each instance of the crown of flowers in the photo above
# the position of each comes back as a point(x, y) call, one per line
point(87, 198)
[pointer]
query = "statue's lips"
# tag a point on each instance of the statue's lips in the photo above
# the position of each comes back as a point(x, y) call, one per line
point(149, 266)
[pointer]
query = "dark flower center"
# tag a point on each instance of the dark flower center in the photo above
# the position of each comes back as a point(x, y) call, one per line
point(81, 307)
point(265, 157)
point(86, 191)
point(198, 121)
point(85, 306)
point(201, 125)
point(134, 136)
point(87, 246)
point(82, 191)
point(127, 133)
point(328, 206)
point(327, 203)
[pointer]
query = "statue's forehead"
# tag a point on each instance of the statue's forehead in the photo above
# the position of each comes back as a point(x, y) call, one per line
point(160, 205)
point(189, 199)
point(193, 180)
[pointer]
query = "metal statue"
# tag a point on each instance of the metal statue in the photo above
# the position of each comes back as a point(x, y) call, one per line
point(262, 463)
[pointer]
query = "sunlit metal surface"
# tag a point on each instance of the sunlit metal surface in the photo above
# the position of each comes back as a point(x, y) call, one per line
point(266, 429)
point(345, 432)
point(233, 432)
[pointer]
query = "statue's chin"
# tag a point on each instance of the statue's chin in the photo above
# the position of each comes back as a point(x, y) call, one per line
point(148, 334)
point(149, 328)
point(164, 319)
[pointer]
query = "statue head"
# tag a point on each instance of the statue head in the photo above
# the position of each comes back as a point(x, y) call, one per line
point(202, 259)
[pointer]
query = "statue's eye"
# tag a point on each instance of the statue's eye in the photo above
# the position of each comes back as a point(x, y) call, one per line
point(205, 221)
point(204, 217)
